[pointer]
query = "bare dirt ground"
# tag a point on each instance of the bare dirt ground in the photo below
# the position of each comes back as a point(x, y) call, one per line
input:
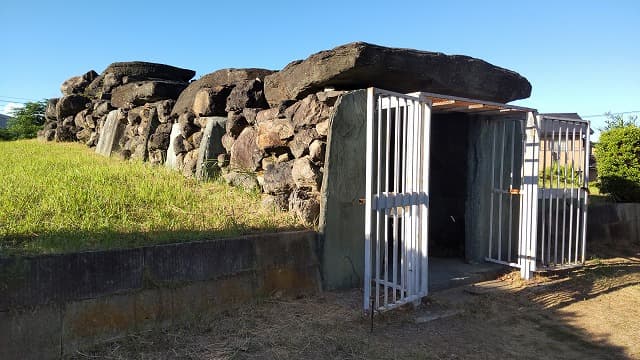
point(587, 313)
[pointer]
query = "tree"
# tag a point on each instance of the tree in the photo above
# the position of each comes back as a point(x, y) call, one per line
point(26, 121)
point(614, 121)
point(618, 158)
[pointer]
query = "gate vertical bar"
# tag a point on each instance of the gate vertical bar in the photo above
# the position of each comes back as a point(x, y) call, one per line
point(387, 160)
point(396, 190)
point(543, 223)
point(579, 201)
point(378, 187)
point(587, 152)
point(493, 186)
point(426, 162)
point(513, 165)
point(368, 198)
point(573, 187)
point(500, 193)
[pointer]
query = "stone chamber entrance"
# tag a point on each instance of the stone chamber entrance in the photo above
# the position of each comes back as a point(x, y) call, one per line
point(449, 264)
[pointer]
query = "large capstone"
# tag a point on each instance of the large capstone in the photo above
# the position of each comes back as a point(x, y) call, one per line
point(359, 65)
point(146, 70)
point(120, 73)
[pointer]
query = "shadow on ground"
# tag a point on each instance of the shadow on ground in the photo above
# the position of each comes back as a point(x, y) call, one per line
point(550, 318)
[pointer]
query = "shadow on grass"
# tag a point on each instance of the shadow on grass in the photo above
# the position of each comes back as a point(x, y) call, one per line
point(80, 240)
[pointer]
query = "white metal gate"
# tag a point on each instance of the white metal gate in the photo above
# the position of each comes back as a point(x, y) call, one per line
point(513, 197)
point(563, 191)
point(550, 193)
point(397, 199)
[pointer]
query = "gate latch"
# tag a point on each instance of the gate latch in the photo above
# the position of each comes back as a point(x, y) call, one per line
point(514, 191)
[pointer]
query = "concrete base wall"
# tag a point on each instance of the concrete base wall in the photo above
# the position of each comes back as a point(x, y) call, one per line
point(613, 227)
point(53, 305)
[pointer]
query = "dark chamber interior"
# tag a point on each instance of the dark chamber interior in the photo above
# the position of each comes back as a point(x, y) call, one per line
point(448, 184)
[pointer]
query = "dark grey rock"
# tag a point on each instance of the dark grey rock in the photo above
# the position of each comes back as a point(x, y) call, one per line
point(235, 124)
point(305, 205)
point(274, 133)
point(244, 180)
point(164, 108)
point(308, 112)
point(77, 84)
point(159, 140)
point(140, 70)
point(211, 101)
point(360, 65)
point(250, 114)
point(228, 77)
point(245, 154)
point(65, 133)
point(246, 94)
point(306, 175)
point(50, 112)
point(301, 140)
point(278, 178)
point(187, 124)
point(140, 93)
point(278, 202)
point(70, 105)
point(101, 108)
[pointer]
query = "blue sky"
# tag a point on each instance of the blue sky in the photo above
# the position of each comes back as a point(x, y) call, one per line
point(580, 56)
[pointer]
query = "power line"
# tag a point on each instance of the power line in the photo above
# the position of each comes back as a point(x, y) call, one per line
point(19, 98)
point(12, 102)
point(618, 113)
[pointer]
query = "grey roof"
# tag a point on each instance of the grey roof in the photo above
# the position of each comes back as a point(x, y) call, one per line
point(562, 120)
point(3, 121)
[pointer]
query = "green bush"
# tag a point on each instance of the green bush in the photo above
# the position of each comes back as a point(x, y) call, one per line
point(618, 162)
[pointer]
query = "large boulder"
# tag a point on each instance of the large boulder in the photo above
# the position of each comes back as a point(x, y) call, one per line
point(77, 84)
point(228, 77)
point(360, 65)
point(70, 105)
point(245, 154)
point(247, 94)
point(211, 101)
point(50, 112)
point(140, 70)
point(278, 179)
point(274, 133)
point(142, 92)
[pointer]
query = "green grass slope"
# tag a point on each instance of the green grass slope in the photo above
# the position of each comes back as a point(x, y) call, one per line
point(64, 197)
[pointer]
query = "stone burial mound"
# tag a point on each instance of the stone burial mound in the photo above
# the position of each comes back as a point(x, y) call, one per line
point(257, 128)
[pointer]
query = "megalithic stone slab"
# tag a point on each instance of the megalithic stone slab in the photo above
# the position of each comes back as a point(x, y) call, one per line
point(171, 162)
point(147, 70)
point(360, 65)
point(112, 132)
point(210, 147)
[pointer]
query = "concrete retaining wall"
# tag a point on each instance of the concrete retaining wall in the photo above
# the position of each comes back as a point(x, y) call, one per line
point(613, 226)
point(52, 305)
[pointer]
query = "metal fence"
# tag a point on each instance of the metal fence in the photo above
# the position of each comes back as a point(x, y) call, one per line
point(563, 192)
point(397, 198)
